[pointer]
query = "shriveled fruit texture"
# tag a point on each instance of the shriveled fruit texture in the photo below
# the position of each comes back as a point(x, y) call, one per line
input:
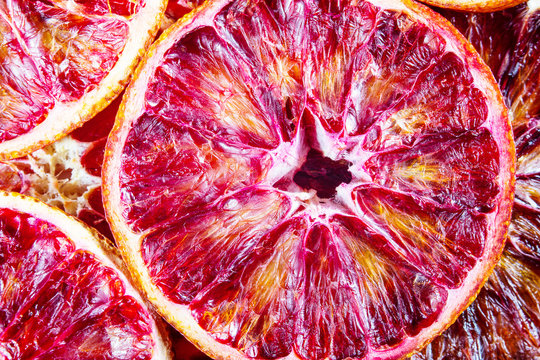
point(311, 179)
point(504, 321)
point(67, 173)
point(62, 61)
point(63, 298)
point(475, 5)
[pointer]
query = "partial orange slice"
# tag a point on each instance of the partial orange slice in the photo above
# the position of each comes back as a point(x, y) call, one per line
point(310, 179)
point(475, 5)
point(63, 61)
point(64, 294)
point(67, 173)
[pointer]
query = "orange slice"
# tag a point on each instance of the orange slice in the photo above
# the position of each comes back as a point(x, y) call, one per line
point(63, 61)
point(504, 321)
point(475, 5)
point(64, 294)
point(310, 179)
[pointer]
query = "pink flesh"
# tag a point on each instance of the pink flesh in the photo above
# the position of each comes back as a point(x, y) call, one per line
point(60, 302)
point(234, 114)
point(51, 55)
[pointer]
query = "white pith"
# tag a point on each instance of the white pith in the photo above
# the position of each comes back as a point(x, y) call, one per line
point(65, 116)
point(180, 315)
point(88, 240)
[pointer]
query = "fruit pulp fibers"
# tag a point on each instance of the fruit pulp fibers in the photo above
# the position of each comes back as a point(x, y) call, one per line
point(61, 302)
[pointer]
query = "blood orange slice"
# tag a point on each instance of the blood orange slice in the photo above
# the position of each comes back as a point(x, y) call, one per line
point(63, 61)
point(475, 5)
point(63, 294)
point(310, 179)
point(504, 321)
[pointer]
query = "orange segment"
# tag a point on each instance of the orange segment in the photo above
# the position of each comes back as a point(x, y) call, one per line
point(208, 236)
point(207, 167)
point(442, 241)
point(222, 99)
point(244, 306)
point(449, 170)
point(399, 300)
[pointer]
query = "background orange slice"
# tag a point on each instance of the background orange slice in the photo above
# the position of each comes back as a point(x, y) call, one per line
point(63, 61)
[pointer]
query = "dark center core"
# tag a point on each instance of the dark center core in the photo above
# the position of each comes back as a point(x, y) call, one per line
point(322, 174)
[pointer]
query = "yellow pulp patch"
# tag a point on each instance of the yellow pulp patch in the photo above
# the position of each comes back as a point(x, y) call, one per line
point(420, 230)
point(234, 107)
point(423, 173)
point(285, 74)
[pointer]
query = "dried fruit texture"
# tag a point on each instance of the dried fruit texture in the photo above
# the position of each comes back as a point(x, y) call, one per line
point(63, 61)
point(504, 321)
point(475, 5)
point(178, 8)
point(67, 173)
point(310, 179)
point(66, 298)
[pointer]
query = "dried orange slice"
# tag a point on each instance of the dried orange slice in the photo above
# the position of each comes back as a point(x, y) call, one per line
point(64, 294)
point(310, 179)
point(475, 5)
point(62, 61)
point(504, 321)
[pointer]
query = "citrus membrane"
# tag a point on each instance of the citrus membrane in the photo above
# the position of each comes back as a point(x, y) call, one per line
point(63, 61)
point(64, 295)
point(310, 179)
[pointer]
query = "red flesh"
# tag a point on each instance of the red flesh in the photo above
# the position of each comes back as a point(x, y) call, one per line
point(51, 55)
point(196, 170)
point(60, 302)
